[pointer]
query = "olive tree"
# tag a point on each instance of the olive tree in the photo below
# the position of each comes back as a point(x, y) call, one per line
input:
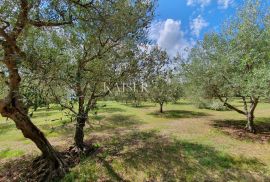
point(101, 50)
point(17, 17)
point(234, 63)
point(162, 86)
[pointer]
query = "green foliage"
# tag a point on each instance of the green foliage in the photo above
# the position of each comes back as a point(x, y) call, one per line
point(212, 104)
point(163, 89)
point(160, 91)
point(163, 86)
point(234, 62)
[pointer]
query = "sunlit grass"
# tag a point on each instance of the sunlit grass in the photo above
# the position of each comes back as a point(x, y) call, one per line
point(140, 144)
point(7, 153)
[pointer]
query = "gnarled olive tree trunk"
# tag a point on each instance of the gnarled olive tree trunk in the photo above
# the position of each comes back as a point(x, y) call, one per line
point(250, 123)
point(79, 132)
point(248, 112)
point(12, 107)
point(82, 118)
point(31, 132)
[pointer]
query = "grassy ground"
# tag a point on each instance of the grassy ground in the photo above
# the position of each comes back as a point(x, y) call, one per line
point(139, 144)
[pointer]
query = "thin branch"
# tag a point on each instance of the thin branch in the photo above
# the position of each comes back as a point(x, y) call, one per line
point(5, 22)
point(39, 23)
point(62, 105)
point(84, 5)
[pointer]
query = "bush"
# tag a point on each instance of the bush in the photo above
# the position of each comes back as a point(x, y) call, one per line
point(217, 106)
point(211, 104)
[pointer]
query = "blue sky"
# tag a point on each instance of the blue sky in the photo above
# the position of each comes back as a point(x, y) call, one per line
point(180, 23)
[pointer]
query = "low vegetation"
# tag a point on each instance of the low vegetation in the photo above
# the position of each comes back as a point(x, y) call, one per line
point(86, 95)
point(139, 143)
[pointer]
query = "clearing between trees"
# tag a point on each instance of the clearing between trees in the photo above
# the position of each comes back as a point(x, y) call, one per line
point(141, 144)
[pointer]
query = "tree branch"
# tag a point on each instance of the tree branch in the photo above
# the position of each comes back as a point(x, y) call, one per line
point(90, 103)
point(62, 105)
point(39, 23)
point(255, 101)
point(245, 104)
point(84, 5)
point(231, 106)
point(5, 22)
point(22, 19)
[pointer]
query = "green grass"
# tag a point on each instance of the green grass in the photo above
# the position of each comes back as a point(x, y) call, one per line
point(140, 144)
point(7, 153)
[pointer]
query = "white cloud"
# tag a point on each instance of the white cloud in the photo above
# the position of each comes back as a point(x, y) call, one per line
point(197, 24)
point(202, 3)
point(224, 4)
point(169, 36)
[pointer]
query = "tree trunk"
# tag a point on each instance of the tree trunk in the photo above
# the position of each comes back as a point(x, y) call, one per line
point(161, 107)
point(56, 166)
point(250, 122)
point(250, 115)
point(79, 133)
point(12, 107)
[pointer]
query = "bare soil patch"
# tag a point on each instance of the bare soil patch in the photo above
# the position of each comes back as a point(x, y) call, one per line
point(235, 128)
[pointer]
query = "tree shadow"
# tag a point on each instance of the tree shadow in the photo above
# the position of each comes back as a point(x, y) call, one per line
point(63, 126)
point(158, 158)
point(114, 175)
point(235, 128)
point(164, 159)
point(42, 114)
point(6, 127)
point(115, 121)
point(141, 106)
point(179, 114)
point(182, 103)
point(98, 123)
point(46, 109)
point(14, 169)
point(110, 110)
point(119, 120)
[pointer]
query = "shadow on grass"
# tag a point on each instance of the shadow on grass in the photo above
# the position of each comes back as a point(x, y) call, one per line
point(98, 123)
point(115, 121)
point(179, 114)
point(14, 169)
point(149, 156)
point(141, 106)
point(119, 120)
point(97, 117)
point(236, 129)
point(6, 127)
point(182, 103)
point(64, 127)
point(44, 114)
point(110, 110)
point(46, 109)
